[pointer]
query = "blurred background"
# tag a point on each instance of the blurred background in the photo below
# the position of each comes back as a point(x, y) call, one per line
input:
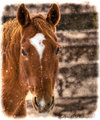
point(76, 88)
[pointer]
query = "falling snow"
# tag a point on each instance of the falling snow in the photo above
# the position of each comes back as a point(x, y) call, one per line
point(6, 71)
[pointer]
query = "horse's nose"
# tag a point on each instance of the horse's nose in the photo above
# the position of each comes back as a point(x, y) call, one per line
point(43, 105)
point(35, 102)
point(51, 102)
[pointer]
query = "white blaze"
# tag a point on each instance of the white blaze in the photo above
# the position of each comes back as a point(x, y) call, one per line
point(42, 103)
point(37, 42)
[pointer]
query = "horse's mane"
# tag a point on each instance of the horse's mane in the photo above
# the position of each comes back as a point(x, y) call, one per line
point(11, 43)
point(11, 33)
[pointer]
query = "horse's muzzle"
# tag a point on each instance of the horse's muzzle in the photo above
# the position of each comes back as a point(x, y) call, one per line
point(43, 106)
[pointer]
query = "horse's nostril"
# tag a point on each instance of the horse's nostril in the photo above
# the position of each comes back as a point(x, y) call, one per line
point(35, 102)
point(52, 102)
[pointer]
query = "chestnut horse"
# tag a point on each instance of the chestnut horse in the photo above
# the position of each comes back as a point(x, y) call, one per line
point(29, 61)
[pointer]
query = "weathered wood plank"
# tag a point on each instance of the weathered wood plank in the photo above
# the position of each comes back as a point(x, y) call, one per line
point(83, 37)
point(69, 54)
point(71, 21)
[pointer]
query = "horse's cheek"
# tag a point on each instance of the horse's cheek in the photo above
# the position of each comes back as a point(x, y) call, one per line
point(24, 82)
point(24, 78)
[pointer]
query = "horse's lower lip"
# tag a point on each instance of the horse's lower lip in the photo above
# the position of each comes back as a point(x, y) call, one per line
point(41, 112)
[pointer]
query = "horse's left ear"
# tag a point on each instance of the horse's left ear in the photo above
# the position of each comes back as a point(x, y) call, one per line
point(23, 16)
point(53, 15)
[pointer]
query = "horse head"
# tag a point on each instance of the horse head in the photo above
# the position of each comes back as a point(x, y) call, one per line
point(39, 56)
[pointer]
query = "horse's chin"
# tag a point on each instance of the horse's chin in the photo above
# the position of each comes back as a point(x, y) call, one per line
point(44, 114)
point(41, 113)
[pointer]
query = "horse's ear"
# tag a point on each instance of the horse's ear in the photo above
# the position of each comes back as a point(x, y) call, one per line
point(23, 16)
point(53, 15)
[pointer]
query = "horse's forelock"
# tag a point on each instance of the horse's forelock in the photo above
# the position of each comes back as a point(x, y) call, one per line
point(43, 26)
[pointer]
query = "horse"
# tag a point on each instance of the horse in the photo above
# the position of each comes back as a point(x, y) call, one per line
point(29, 61)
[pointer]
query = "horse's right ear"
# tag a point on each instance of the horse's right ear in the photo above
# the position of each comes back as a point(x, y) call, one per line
point(53, 15)
point(23, 16)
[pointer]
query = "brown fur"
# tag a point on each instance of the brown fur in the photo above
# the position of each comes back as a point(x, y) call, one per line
point(18, 75)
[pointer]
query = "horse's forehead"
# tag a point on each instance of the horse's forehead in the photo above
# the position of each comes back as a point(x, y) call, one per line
point(37, 42)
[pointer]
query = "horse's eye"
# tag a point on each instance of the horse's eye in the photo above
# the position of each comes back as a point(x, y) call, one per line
point(57, 51)
point(24, 53)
